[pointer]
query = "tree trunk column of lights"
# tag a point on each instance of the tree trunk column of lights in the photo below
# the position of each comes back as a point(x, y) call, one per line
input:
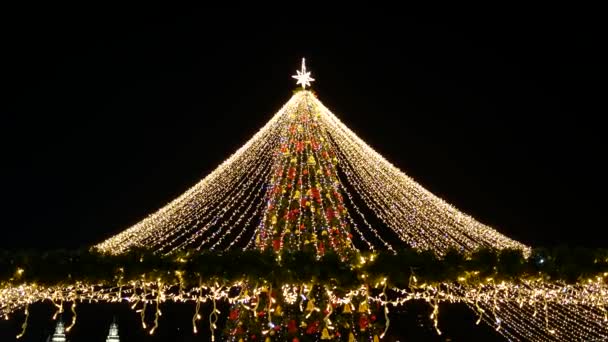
point(305, 206)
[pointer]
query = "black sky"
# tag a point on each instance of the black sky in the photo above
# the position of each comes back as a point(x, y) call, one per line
point(109, 113)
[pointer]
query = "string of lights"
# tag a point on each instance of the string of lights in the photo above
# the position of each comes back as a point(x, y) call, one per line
point(306, 182)
point(530, 310)
point(301, 155)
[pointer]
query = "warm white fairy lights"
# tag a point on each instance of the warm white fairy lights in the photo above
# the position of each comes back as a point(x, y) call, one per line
point(306, 180)
point(306, 141)
point(527, 310)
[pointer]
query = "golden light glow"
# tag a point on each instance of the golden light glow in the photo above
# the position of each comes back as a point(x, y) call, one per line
point(306, 157)
point(531, 310)
point(301, 138)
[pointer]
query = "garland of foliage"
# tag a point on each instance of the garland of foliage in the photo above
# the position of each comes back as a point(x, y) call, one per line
point(58, 267)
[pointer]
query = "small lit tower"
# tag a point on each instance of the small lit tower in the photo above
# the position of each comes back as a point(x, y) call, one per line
point(113, 334)
point(59, 335)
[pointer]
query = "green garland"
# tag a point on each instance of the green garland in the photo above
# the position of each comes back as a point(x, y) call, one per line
point(565, 264)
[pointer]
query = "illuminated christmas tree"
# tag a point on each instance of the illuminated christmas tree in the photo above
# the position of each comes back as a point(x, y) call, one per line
point(305, 206)
point(305, 181)
point(307, 233)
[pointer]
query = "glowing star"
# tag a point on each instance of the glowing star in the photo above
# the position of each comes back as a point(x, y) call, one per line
point(303, 76)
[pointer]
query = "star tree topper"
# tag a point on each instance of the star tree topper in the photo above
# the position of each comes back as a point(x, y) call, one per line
point(303, 76)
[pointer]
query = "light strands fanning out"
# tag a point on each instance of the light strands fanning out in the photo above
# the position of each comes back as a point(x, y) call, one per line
point(294, 180)
point(306, 182)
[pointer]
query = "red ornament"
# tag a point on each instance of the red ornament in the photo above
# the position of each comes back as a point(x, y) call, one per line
point(372, 317)
point(261, 314)
point(363, 322)
point(234, 314)
point(329, 213)
point(295, 339)
point(292, 214)
point(292, 328)
point(313, 328)
point(276, 245)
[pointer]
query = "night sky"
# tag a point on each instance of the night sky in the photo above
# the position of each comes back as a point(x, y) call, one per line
point(109, 113)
